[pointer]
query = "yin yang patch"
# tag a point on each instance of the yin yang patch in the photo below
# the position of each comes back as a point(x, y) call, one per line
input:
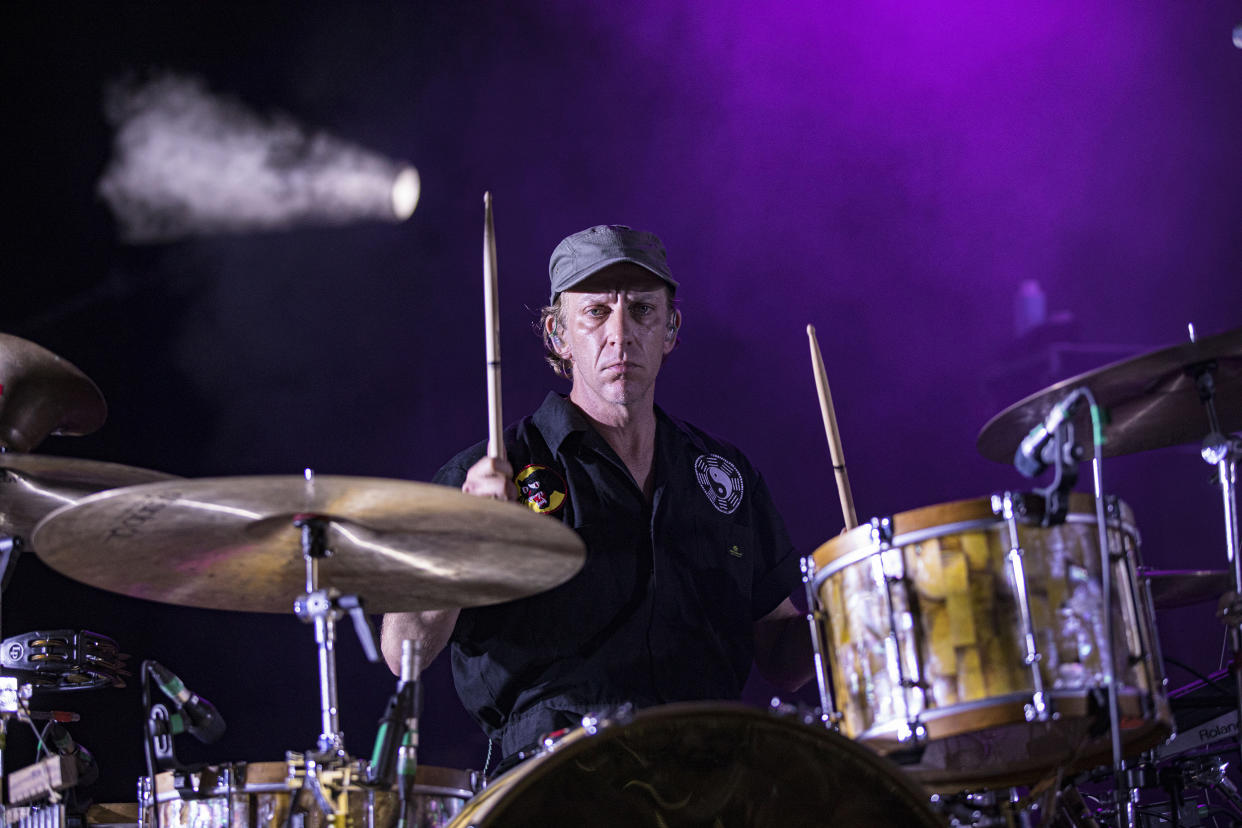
point(720, 481)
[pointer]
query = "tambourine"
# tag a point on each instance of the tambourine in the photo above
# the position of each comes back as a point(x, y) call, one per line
point(60, 660)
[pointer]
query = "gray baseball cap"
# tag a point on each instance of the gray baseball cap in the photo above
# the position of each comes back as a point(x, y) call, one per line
point(591, 250)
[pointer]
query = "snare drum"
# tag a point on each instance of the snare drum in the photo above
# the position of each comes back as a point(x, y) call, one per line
point(975, 638)
point(259, 795)
point(717, 765)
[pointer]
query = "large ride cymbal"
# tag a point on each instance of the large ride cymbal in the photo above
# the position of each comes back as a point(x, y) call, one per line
point(35, 485)
point(42, 394)
point(230, 543)
point(1151, 399)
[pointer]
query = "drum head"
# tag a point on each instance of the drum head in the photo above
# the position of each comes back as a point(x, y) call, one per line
point(703, 765)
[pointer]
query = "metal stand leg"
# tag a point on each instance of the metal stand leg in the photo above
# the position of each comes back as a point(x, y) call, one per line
point(323, 608)
point(1222, 451)
point(317, 607)
point(10, 550)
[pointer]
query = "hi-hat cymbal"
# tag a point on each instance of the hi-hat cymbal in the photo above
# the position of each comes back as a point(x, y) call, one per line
point(42, 394)
point(1151, 399)
point(34, 485)
point(1172, 588)
point(230, 543)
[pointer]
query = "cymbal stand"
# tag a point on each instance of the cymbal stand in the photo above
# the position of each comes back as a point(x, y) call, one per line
point(1065, 453)
point(1222, 451)
point(10, 550)
point(323, 608)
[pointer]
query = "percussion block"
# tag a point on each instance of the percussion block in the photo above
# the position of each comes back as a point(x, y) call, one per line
point(970, 674)
point(943, 653)
point(928, 572)
point(978, 551)
point(961, 618)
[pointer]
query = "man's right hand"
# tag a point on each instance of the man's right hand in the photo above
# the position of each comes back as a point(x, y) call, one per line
point(491, 477)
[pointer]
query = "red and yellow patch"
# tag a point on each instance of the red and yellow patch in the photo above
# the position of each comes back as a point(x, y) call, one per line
point(541, 489)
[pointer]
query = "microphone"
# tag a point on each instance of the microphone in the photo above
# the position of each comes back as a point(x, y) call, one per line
point(1028, 459)
point(88, 768)
point(198, 717)
point(392, 758)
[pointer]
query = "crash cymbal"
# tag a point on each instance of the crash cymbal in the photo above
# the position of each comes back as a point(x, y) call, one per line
point(34, 485)
point(230, 543)
point(1151, 400)
point(42, 394)
point(1181, 588)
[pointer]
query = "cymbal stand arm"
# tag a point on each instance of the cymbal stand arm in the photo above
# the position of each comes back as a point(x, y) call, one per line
point(353, 605)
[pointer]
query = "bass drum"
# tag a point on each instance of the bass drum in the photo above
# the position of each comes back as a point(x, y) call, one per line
point(716, 765)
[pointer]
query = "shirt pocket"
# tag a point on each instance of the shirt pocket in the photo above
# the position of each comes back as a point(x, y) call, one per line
point(722, 558)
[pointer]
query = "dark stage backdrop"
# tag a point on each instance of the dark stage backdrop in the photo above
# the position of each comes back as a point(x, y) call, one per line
point(890, 172)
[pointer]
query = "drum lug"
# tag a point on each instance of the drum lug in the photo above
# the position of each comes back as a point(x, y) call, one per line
point(830, 717)
point(801, 712)
point(882, 531)
point(1009, 504)
point(1037, 710)
point(892, 569)
point(912, 732)
point(1010, 507)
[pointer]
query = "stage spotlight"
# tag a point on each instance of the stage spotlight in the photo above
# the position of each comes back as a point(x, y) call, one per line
point(186, 162)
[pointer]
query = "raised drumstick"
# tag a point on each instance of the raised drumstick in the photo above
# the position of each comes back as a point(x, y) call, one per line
point(834, 435)
point(495, 420)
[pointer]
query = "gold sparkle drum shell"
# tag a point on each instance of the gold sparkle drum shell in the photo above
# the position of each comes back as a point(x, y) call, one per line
point(719, 765)
point(923, 623)
point(260, 794)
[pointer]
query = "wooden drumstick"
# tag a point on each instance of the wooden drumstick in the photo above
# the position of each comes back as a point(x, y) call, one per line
point(495, 421)
point(834, 435)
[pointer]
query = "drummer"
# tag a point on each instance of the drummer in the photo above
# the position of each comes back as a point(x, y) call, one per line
point(689, 567)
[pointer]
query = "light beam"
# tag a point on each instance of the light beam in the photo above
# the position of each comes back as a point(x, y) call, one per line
point(187, 162)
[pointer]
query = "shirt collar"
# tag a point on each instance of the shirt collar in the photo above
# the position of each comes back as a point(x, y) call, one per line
point(558, 418)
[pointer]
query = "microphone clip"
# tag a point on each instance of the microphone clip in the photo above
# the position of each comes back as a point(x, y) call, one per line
point(1064, 454)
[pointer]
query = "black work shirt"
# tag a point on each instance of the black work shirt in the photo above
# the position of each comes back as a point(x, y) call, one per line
point(664, 606)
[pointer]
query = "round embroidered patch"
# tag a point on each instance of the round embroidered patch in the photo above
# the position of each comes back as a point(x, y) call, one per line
point(720, 481)
point(540, 489)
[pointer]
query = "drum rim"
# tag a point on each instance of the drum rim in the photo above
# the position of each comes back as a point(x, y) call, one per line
point(505, 789)
point(438, 781)
point(1155, 724)
point(1130, 697)
point(918, 525)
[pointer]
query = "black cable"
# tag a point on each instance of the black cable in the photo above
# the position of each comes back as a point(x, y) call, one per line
point(1208, 680)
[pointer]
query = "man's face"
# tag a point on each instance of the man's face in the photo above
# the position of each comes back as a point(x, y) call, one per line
point(616, 334)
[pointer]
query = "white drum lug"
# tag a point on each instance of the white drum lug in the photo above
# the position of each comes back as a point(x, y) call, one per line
point(882, 531)
point(1037, 710)
point(830, 716)
point(1010, 509)
point(893, 569)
